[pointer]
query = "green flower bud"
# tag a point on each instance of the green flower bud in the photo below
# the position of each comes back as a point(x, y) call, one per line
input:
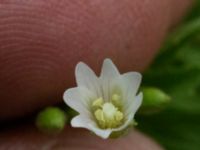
point(51, 120)
point(154, 100)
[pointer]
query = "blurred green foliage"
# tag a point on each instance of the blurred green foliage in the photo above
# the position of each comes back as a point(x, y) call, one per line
point(176, 71)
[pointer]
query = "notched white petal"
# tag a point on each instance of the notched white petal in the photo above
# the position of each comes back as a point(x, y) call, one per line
point(108, 73)
point(132, 81)
point(80, 121)
point(85, 122)
point(130, 112)
point(100, 132)
point(126, 123)
point(109, 70)
point(79, 99)
point(135, 104)
point(85, 77)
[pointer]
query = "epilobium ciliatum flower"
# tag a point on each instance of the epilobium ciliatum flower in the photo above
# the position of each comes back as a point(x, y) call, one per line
point(106, 104)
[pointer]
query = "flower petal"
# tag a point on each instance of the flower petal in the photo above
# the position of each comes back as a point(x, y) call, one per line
point(103, 133)
point(130, 112)
point(80, 121)
point(85, 77)
point(127, 84)
point(134, 106)
point(79, 99)
point(84, 122)
point(131, 82)
point(126, 123)
point(108, 72)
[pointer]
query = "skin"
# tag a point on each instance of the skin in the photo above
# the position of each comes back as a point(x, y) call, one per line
point(25, 137)
point(41, 42)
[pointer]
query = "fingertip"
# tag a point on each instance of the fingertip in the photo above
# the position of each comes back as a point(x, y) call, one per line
point(28, 136)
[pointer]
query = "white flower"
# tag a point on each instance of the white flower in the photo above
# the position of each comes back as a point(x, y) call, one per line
point(107, 103)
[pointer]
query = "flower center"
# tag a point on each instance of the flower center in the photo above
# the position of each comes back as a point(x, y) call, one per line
point(108, 114)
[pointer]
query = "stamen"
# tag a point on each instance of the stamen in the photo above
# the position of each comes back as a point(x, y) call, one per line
point(108, 114)
point(98, 102)
point(116, 100)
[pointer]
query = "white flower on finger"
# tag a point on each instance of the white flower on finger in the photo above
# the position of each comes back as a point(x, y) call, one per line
point(105, 104)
